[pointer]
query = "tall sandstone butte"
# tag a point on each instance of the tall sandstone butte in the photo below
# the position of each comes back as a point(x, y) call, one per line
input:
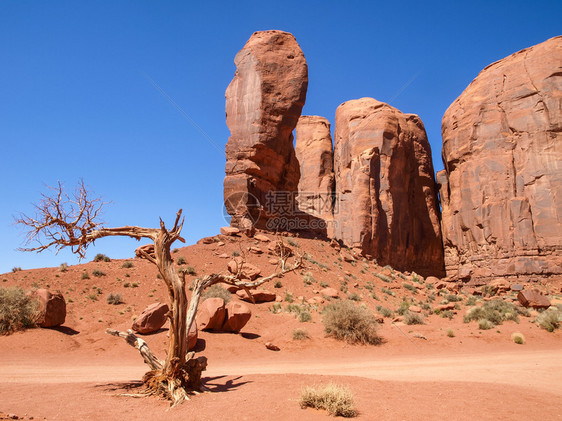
point(386, 192)
point(501, 190)
point(314, 151)
point(263, 104)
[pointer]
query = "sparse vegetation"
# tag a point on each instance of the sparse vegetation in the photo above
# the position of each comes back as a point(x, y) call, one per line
point(496, 312)
point(300, 334)
point(353, 297)
point(98, 273)
point(63, 267)
point(413, 318)
point(127, 264)
point(101, 258)
point(410, 287)
point(335, 399)
point(217, 291)
point(550, 319)
point(383, 278)
point(345, 321)
point(289, 297)
point(235, 253)
point(190, 270)
point(16, 269)
point(308, 279)
point(292, 243)
point(485, 324)
point(114, 299)
point(385, 312)
point(17, 310)
point(450, 333)
point(93, 297)
point(181, 261)
point(277, 284)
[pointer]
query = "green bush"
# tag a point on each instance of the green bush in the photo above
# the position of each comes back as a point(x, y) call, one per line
point(17, 310)
point(217, 291)
point(335, 399)
point(101, 258)
point(345, 321)
point(485, 324)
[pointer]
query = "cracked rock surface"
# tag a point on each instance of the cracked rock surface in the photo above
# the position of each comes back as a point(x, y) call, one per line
point(501, 190)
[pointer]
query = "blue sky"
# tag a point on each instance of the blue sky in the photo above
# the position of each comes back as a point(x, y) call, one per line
point(80, 99)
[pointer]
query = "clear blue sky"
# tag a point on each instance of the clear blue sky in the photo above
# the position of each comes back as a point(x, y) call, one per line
point(77, 98)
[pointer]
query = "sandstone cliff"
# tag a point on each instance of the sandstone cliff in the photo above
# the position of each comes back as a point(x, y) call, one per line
point(501, 190)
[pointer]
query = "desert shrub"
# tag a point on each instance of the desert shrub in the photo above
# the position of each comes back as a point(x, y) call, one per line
point(300, 334)
point(63, 267)
point(496, 311)
point(345, 321)
point(452, 298)
point(304, 316)
point(385, 312)
point(403, 308)
point(217, 291)
point(98, 273)
point(485, 324)
point(277, 284)
point(17, 310)
point(181, 261)
point(353, 297)
point(387, 291)
point(289, 297)
point(413, 318)
point(190, 270)
point(550, 319)
point(450, 333)
point(471, 301)
point(292, 243)
point(114, 299)
point(93, 297)
point(127, 264)
point(410, 287)
point(236, 253)
point(16, 269)
point(276, 308)
point(383, 278)
point(335, 399)
point(518, 338)
point(447, 314)
point(308, 279)
point(101, 258)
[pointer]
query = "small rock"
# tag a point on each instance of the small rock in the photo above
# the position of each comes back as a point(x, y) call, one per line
point(192, 336)
point(206, 240)
point(259, 296)
point(52, 307)
point(431, 280)
point(334, 244)
point(223, 256)
point(440, 285)
point(330, 292)
point(255, 250)
point(273, 261)
point(220, 243)
point(272, 347)
point(230, 231)
point(279, 249)
point(443, 307)
point(499, 286)
point(247, 270)
point(415, 309)
point(262, 238)
point(517, 287)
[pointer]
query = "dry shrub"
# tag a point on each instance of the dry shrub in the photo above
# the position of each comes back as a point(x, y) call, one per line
point(550, 319)
point(335, 399)
point(216, 291)
point(518, 338)
point(17, 310)
point(496, 312)
point(345, 321)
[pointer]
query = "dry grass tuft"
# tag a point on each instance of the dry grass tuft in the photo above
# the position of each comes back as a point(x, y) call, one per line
point(345, 321)
point(335, 399)
point(17, 310)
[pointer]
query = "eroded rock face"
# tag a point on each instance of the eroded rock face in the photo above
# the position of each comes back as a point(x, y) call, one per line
point(263, 104)
point(501, 190)
point(386, 194)
point(315, 155)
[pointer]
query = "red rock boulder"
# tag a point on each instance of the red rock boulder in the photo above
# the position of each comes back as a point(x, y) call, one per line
point(263, 104)
point(211, 314)
point(151, 319)
point(501, 188)
point(248, 270)
point(385, 189)
point(237, 315)
point(533, 298)
point(192, 336)
point(52, 307)
point(259, 296)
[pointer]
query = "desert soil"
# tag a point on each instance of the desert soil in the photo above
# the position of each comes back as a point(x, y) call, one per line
point(77, 372)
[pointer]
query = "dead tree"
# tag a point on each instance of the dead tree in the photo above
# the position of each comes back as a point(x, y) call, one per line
point(73, 221)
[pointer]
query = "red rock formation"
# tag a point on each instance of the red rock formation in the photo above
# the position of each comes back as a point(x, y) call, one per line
point(237, 315)
point(386, 196)
point(315, 155)
point(152, 318)
point(501, 191)
point(211, 314)
point(263, 104)
point(52, 307)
